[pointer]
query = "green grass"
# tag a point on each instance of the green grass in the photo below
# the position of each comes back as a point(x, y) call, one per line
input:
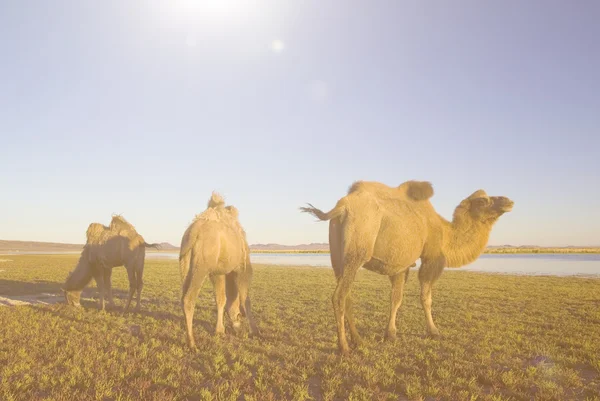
point(504, 338)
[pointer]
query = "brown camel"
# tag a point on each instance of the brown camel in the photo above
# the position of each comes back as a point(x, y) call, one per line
point(387, 229)
point(215, 245)
point(106, 247)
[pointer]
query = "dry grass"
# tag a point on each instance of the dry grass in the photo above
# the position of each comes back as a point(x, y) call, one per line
point(504, 338)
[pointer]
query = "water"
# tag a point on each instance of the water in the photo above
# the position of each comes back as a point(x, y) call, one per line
point(528, 264)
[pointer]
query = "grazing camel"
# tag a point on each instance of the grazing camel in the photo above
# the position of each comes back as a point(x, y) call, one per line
point(215, 245)
point(387, 229)
point(106, 247)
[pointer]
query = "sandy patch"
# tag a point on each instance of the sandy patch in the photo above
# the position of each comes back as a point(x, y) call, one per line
point(44, 298)
point(36, 299)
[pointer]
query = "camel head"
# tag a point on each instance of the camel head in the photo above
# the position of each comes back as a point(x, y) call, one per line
point(481, 207)
point(72, 297)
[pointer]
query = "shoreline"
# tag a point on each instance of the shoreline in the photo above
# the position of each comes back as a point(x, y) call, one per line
point(487, 251)
point(491, 251)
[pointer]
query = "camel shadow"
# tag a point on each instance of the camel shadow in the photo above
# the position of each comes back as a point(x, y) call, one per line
point(16, 293)
point(21, 288)
point(13, 293)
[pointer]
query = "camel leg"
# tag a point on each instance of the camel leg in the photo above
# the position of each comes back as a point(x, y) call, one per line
point(233, 300)
point(429, 272)
point(244, 279)
point(132, 285)
point(191, 289)
point(337, 262)
point(139, 274)
point(356, 338)
point(108, 286)
point(398, 282)
point(99, 277)
point(339, 299)
point(248, 309)
point(218, 281)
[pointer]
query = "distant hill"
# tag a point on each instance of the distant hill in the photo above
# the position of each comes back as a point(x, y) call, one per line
point(165, 246)
point(34, 246)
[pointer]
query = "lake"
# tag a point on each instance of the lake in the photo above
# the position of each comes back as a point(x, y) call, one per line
point(587, 265)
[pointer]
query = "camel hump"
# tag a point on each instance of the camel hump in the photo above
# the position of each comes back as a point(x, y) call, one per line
point(369, 186)
point(414, 190)
point(118, 223)
point(356, 185)
point(233, 211)
point(94, 232)
point(216, 200)
point(419, 190)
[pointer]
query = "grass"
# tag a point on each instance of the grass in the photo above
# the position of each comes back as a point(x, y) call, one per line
point(504, 338)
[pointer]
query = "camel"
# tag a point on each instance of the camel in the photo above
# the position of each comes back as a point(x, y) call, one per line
point(215, 245)
point(106, 247)
point(386, 229)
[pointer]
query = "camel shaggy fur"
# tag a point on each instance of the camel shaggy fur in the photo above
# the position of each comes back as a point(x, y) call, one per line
point(119, 244)
point(387, 229)
point(214, 245)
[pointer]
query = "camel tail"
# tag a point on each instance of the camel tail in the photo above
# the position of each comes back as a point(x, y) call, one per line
point(231, 289)
point(184, 264)
point(319, 214)
point(419, 190)
point(155, 245)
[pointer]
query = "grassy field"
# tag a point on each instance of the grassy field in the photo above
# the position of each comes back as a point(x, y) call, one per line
point(504, 338)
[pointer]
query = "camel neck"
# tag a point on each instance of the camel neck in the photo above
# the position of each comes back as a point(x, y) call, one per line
point(81, 276)
point(464, 242)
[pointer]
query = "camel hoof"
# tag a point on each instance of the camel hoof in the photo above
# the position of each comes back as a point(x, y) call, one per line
point(390, 337)
point(357, 342)
point(435, 333)
point(345, 352)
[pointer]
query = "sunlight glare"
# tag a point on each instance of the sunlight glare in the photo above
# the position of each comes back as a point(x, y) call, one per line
point(277, 46)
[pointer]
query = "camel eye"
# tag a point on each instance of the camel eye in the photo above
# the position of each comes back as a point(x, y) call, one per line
point(480, 202)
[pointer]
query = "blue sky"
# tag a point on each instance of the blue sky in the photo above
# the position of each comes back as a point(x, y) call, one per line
point(144, 107)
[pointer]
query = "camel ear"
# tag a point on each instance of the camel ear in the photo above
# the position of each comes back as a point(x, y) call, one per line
point(480, 193)
point(233, 210)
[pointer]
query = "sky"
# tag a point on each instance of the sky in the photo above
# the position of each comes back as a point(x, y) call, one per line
point(143, 108)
